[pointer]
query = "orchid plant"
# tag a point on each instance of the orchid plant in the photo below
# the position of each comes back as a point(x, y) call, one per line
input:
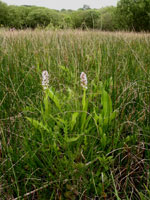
point(79, 122)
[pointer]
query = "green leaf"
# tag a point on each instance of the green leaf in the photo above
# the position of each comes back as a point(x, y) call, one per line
point(84, 109)
point(101, 120)
point(46, 104)
point(54, 98)
point(107, 104)
point(73, 139)
point(29, 109)
point(64, 68)
point(112, 116)
point(96, 117)
point(88, 121)
point(70, 94)
point(103, 140)
point(100, 131)
point(60, 122)
point(84, 102)
point(37, 124)
point(73, 120)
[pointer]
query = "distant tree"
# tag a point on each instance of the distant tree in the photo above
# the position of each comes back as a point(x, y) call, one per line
point(17, 16)
point(3, 14)
point(13, 17)
point(128, 15)
point(107, 19)
point(134, 14)
point(38, 17)
point(86, 7)
point(90, 18)
point(69, 10)
point(80, 9)
point(87, 18)
point(27, 5)
point(62, 10)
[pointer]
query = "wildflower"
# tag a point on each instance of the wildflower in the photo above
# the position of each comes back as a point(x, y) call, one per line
point(45, 79)
point(83, 80)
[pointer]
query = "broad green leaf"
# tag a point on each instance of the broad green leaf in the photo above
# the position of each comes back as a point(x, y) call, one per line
point(84, 109)
point(107, 104)
point(73, 139)
point(112, 116)
point(100, 131)
point(38, 69)
point(46, 104)
point(101, 119)
point(37, 124)
point(70, 94)
point(73, 120)
point(87, 121)
point(29, 108)
point(64, 68)
point(60, 122)
point(84, 103)
point(103, 140)
point(96, 117)
point(54, 98)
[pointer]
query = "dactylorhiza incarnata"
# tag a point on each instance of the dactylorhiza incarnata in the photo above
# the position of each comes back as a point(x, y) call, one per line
point(83, 80)
point(45, 79)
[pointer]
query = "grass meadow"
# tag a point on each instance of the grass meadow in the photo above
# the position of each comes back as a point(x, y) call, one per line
point(68, 142)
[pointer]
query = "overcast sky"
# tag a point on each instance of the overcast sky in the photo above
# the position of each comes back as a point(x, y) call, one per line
point(67, 4)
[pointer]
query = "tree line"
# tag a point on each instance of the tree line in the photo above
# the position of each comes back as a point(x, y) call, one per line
point(130, 15)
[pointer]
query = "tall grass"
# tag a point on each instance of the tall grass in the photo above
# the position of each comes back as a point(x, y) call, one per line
point(71, 158)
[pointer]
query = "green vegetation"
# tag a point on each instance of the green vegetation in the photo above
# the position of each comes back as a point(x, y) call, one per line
point(134, 15)
point(67, 142)
point(128, 15)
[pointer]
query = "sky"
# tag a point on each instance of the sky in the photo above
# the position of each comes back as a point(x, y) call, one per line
point(67, 4)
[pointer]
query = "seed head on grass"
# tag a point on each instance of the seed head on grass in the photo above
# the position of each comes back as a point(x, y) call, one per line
point(83, 80)
point(45, 79)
